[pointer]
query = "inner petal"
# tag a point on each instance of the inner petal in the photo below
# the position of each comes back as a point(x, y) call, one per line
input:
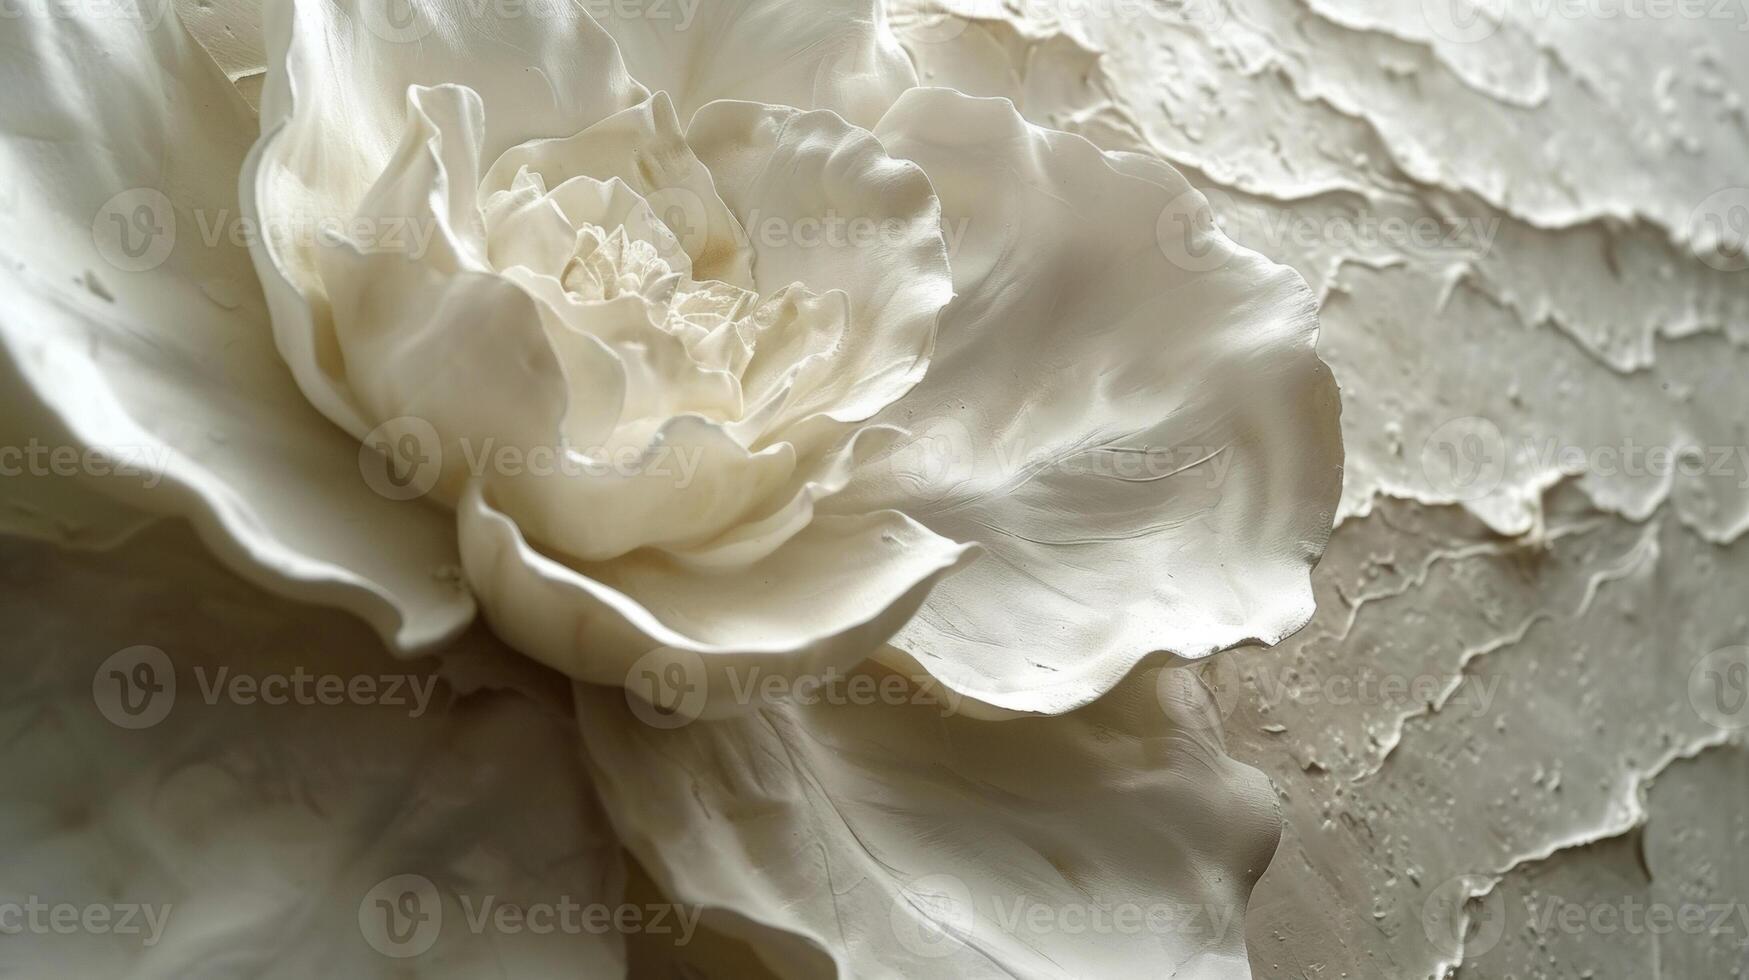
point(649, 405)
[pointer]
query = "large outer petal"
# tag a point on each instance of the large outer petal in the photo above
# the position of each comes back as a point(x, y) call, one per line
point(813, 54)
point(885, 835)
point(63, 508)
point(131, 314)
point(269, 828)
point(1140, 432)
point(335, 104)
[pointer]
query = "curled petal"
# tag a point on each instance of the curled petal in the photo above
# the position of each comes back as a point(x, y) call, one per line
point(689, 483)
point(425, 330)
point(338, 74)
point(761, 535)
point(869, 829)
point(827, 597)
point(1124, 407)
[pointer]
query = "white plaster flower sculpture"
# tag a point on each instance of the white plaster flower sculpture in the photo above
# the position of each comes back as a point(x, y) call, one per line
point(719, 337)
point(709, 336)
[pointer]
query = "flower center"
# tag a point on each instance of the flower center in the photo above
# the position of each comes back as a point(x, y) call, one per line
point(714, 382)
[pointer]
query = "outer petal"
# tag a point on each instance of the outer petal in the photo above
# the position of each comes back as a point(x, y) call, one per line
point(335, 103)
point(49, 506)
point(825, 205)
point(129, 311)
point(880, 834)
point(264, 824)
point(1134, 422)
point(813, 54)
point(832, 593)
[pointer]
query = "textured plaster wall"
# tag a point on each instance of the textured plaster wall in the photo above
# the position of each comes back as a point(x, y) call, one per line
point(1514, 720)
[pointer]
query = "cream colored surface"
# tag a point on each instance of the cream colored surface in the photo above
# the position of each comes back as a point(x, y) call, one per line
point(1495, 698)
point(1504, 693)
